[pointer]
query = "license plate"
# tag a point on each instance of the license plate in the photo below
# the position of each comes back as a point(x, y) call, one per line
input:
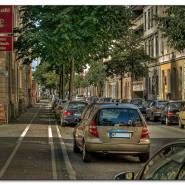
point(120, 135)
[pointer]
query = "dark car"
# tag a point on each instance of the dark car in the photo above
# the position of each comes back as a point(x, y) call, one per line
point(167, 164)
point(112, 128)
point(140, 103)
point(107, 99)
point(92, 99)
point(153, 112)
point(72, 112)
point(170, 113)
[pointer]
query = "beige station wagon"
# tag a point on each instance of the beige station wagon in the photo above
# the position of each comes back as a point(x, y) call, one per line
point(112, 128)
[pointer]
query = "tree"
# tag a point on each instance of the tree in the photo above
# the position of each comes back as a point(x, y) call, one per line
point(45, 76)
point(172, 26)
point(96, 76)
point(70, 35)
point(128, 56)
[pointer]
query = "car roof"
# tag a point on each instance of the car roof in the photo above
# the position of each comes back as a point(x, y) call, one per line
point(176, 101)
point(77, 101)
point(115, 105)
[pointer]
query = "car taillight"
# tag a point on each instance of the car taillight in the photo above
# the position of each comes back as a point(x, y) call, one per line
point(169, 114)
point(93, 128)
point(145, 132)
point(67, 113)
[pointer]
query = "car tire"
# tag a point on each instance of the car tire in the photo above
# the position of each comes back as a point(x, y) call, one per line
point(86, 156)
point(75, 147)
point(155, 118)
point(181, 126)
point(162, 121)
point(144, 157)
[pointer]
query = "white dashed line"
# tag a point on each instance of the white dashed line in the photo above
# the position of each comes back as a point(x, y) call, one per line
point(70, 170)
point(53, 161)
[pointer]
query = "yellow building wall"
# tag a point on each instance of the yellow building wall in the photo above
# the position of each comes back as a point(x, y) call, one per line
point(166, 83)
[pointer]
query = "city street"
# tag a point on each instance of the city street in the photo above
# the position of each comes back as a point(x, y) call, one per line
point(35, 147)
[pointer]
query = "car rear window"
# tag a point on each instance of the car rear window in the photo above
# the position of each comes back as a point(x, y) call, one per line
point(161, 104)
point(77, 105)
point(121, 116)
point(176, 105)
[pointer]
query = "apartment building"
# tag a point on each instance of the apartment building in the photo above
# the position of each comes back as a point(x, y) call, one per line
point(166, 72)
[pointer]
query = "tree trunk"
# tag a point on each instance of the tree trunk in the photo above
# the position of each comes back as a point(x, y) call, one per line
point(71, 80)
point(60, 84)
point(121, 86)
point(63, 80)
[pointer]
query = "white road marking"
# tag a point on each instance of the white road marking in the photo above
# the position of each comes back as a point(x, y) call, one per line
point(70, 170)
point(6, 165)
point(53, 161)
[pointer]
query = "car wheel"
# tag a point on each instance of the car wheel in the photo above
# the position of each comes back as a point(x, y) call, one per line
point(162, 121)
point(167, 121)
point(75, 147)
point(86, 156)
point(144, 157)
point(182, 126)
point(155, 118)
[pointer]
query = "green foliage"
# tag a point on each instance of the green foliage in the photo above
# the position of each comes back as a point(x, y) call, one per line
point(173, 26)
point(59, 34)
point(45, 76)
point(128, 55)
point(96, 73)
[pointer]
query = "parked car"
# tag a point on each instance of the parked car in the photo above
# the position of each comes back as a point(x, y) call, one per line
point(112, 128)
point(182, 117)
point(59, 106)
point(125, 101)
point(154, 111)
point(92, 99)
point(79, 98)
point(167, 164)
point(107, 99)
point(170, 113)
point(72, 112)
point(140, 103)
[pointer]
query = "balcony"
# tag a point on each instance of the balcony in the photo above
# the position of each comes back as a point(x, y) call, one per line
point(138, 22)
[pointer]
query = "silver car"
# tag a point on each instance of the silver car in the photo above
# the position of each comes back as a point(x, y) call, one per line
point(112, 128)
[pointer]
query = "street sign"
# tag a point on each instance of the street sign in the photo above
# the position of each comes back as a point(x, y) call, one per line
point(6, 43)
point(6, 16)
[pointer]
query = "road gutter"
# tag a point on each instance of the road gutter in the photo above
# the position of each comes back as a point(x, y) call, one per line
point(70, 170)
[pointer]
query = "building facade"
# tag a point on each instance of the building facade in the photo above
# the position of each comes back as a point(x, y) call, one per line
point(15, 79)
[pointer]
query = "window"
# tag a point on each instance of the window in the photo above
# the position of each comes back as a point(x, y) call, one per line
point(148, 19)
point(157, 45)
point(149, 85)
point(145, 21)
point(180, 79)
point(156, 10)
point(157, 85)
point(122, 116)
point(152, 46)
point(166, 164)
point(149, 47)
point(169, 80)
point(151, 17)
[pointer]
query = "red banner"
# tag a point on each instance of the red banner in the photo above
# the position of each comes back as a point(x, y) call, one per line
point(6, 16)
point(6, 43)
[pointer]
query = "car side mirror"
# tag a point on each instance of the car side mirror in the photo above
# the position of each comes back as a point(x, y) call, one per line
point(125, 176)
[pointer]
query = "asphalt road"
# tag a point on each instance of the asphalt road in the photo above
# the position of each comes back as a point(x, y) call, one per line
point(34, 147)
